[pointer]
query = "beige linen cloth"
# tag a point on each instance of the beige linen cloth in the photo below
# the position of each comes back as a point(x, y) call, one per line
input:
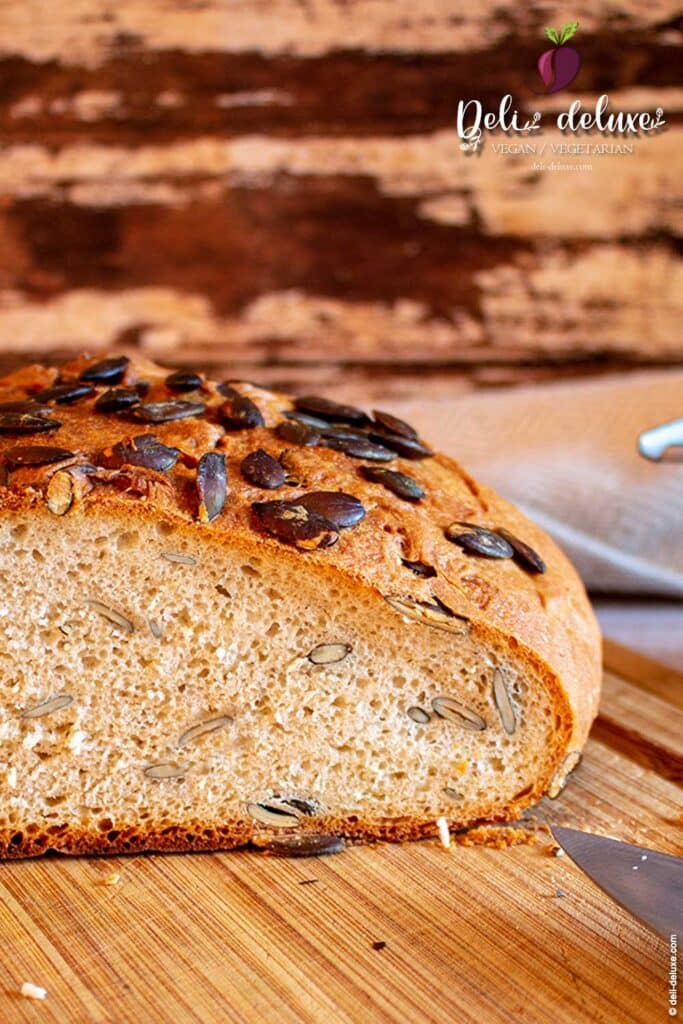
point(566, 454)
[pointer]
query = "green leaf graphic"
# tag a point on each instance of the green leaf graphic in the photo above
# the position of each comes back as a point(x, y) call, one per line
point(568, 31)
point(552, 35)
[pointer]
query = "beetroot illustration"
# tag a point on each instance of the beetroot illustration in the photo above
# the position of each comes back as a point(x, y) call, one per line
point(559, 66)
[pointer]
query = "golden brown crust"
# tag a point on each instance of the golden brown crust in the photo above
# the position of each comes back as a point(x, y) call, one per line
point(546, 616)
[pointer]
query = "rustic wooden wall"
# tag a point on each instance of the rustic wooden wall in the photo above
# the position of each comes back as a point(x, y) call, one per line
point(278, 185)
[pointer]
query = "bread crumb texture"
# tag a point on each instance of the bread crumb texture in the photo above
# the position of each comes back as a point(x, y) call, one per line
point(199, 652)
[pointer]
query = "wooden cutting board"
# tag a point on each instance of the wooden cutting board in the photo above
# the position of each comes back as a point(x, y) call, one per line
point(391, 933)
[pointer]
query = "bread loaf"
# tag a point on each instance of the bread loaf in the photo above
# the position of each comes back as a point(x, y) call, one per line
point(230, 616)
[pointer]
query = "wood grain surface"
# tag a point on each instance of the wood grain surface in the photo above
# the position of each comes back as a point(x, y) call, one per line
point(279, 186)
point(382, 934)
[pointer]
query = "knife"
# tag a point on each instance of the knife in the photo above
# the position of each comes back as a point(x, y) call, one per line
point(646, 883)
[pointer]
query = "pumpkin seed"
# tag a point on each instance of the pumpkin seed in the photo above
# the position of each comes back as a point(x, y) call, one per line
point(329, 654)
point(35, 455)
point(65, 394)
point(295, 432)
point(26, 423)
point(60, 493)
point(400, 484)
point(406, 447)
point(262, 470)
point(203, 728)
point(420, 568)
point(106, 370)
point(394, 425)
point(430, 613)
point(419, 715)
point(165, 770)
point(275, 813)
point(524, 555)
point(561, 776)
point(179, 556)
point(305, 418)
point(238, 412)
point(308, 844)
point(165, 412)
point(292, 523)
point(359, 448)
point(117, 400)
point(183, 380)
point(111, 615)
point(144, 451)
point(341, 509)
point(212, 486)
point(503, 702)
point(329, 410)
point(49, 706)
point(452, 710)
point(479, 541)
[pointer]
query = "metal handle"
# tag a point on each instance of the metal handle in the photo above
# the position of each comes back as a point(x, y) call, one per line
point(652, 444)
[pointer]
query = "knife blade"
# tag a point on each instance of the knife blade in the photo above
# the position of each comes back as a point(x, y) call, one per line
point(646, 883)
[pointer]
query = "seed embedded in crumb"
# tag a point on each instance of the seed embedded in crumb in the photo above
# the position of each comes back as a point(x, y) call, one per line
point(274, 813)
point(212, 486)
point(435, 613)
point(155, 628)
point(49, 706)
point(308, 844)
point(561, 776)
point(165, 770)
point(503, 701)
point(203, 728)
point(453, 711)
point(329, 654)
point(419, 715)
point(452, 794)
point(179, 557)
point(60, 493)
point(116, 618)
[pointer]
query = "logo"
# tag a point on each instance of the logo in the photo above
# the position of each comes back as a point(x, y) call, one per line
point(559, 66)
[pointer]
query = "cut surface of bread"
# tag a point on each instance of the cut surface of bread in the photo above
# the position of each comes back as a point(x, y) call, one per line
point(175, 675)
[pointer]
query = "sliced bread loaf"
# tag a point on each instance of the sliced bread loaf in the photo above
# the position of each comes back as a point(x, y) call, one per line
point(231, 616)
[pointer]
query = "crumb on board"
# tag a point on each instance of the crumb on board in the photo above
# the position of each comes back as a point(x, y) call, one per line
point(31, 991)
point(379, 944)
point(444, 833)
point(112, 879)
